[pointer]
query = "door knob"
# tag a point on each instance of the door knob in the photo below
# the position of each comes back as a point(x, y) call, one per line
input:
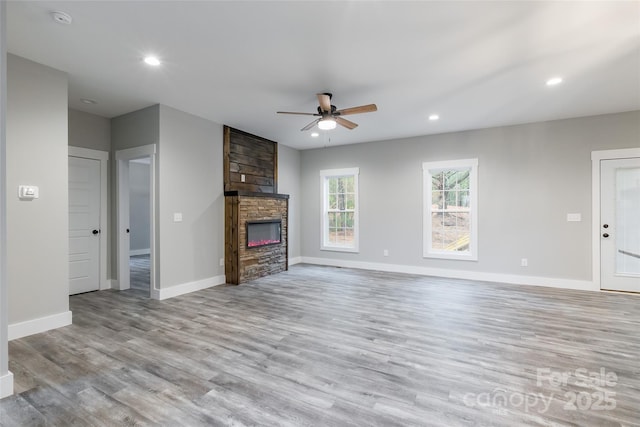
point(605, 235)
point(95, 232)
point(127, 231)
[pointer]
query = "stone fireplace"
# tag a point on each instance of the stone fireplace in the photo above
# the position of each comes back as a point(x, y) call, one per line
point(266, 252)
point(256, 216)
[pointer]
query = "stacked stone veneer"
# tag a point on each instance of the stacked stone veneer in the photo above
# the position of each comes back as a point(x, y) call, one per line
point(243, 264)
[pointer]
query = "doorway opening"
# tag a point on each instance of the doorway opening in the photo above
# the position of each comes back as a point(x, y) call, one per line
point(135, 175)
point(140, 224)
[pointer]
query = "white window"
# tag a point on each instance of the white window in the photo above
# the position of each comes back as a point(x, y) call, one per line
point(451, 209)
point(339, 189)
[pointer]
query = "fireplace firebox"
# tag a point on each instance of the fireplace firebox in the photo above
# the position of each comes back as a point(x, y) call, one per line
point(264, 233)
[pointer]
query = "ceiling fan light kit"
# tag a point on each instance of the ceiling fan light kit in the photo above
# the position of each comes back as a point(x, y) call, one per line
point(327, 124)
point(330, 116)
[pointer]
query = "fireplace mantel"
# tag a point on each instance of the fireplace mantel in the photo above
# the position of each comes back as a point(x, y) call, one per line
point(253, 194)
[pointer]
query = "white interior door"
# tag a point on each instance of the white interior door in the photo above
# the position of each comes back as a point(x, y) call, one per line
point(124, 235)
point(84, 225)
point(620, 227)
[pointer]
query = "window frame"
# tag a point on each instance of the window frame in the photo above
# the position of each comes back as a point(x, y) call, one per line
point(428, 171)
point(325, 174)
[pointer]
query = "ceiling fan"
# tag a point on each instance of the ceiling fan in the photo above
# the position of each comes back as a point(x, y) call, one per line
point(329, 116)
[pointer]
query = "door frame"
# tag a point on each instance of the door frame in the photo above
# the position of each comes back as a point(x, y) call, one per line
point(103, 158)
point(596, 157)
point(122, 216)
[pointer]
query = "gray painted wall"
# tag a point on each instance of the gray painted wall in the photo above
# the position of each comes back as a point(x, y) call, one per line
point(37, 235)
point(190, 182)
point(141, 127)
point(89, 131)
point(289, 183)
point(139, 206)
point(530, 177)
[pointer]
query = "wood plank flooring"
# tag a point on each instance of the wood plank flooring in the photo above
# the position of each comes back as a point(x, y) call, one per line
point(323, 346)
point(139, 278)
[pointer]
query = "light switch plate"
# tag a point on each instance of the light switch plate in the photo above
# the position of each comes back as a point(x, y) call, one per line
point(28, 192)
point(177, 217)
point(574, 217)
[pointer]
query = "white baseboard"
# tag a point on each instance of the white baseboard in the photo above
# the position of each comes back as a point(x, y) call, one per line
point(583, 285)
point(41, 324)
point(6, 385)
point(186, 288)
point(135, 252)
point(296, 260)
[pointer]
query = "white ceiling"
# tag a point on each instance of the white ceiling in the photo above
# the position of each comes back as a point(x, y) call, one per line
point(477, 64)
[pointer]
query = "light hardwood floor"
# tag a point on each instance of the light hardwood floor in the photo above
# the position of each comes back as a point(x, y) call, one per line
point(322, 346)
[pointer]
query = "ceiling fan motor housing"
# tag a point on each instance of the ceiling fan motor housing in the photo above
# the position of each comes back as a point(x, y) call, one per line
point(331, 113)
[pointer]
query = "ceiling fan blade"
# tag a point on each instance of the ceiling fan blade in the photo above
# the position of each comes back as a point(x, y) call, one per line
point(346, 123)
point(357, 110)
point(325, 101)
point(300, 114)
point(310, 125)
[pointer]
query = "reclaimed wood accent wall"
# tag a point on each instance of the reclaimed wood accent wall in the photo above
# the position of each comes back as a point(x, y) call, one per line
point(250, 162)
point(242, 263)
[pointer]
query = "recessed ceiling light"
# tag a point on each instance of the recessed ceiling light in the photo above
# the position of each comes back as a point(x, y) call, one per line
point(434, 117)
point(88, 101)
point(554, 81)
point(152, 60)
point(61, 17)
point(315, 135)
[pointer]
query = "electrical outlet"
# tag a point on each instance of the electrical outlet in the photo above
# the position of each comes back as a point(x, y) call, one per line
point(385, 252)
point(524, 262)
point(221, 262)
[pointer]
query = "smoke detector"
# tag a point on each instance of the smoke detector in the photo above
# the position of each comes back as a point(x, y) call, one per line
point(61, 17)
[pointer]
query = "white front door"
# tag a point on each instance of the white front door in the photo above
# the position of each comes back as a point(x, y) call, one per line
point(84, 225)
point(620, 224)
